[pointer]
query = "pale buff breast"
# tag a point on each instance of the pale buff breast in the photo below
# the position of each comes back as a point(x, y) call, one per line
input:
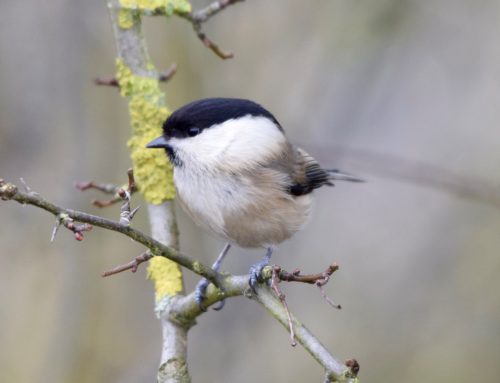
point(251, 209)
point(273, 220)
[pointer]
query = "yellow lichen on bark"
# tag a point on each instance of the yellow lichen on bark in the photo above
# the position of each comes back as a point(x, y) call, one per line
point(169, 6)
point(126, 18)
point(152, 170)
point(166, 276)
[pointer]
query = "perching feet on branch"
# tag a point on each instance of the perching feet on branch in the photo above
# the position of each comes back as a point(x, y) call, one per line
point(201, 287)
point(255, 272)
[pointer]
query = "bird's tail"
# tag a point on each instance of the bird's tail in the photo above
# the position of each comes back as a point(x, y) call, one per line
point(337, 175)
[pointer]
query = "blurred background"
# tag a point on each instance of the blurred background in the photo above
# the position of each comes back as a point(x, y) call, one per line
point(404, 93)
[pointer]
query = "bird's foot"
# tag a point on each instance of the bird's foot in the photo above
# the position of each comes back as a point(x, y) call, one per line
point(255, 273)
point(200, 294)
point(256, 270)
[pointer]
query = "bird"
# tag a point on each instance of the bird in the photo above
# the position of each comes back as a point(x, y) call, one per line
point(237, 175)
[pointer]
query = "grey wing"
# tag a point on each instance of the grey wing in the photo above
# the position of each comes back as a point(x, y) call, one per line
point(309, 175)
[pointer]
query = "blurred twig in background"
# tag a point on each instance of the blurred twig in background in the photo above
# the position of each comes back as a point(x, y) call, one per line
point(419, 173)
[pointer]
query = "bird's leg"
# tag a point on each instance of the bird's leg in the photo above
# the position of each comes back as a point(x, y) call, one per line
point(256, 269)
point(201, 287)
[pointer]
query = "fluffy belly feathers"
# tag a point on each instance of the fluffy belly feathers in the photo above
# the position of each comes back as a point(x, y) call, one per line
point(234, 209)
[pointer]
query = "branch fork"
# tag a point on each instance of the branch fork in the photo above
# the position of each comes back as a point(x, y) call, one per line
point(320, 280)
point(115, 190)
point(186, 306)
point(197, 18)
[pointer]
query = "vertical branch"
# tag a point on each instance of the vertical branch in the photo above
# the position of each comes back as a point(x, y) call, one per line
point(138, 81)
point(173, 363)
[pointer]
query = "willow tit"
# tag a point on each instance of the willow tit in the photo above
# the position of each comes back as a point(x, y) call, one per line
point(237, 174)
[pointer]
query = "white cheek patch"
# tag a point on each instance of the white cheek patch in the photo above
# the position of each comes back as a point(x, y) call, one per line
point(235, 143)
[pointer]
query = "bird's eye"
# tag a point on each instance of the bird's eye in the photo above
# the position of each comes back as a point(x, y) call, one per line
point(194, 131)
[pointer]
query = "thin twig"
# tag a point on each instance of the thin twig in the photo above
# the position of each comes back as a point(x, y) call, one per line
point(126, 215)
point(66, 221)
point(275, 280)
point(109, 189)
point(106, 81)
point(327, 299)
point(310, 278)
point(168, 74)
point(197, 18)
point(320, 280)
point(132, 265)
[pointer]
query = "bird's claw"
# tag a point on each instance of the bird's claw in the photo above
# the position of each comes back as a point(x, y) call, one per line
point(200, 293)
point(255, 273)
point(200, 296)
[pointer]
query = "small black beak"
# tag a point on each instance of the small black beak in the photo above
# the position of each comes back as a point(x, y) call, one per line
point(160, 142)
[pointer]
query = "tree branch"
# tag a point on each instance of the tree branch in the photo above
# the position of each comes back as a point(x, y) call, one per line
point(181, 312)
point(185, 310)
point(9, 191)
point(198, 18)
point(132, 265)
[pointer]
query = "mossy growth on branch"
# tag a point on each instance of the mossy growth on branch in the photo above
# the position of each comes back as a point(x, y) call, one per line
point(167, 277)
point(148, 6)
point(126, 18)
point(152, 170)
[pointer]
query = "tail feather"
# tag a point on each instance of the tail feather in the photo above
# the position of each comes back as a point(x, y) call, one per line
point(308, 175)
point(337, 175)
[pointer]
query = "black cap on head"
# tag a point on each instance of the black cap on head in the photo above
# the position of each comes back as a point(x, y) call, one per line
point(204, 113)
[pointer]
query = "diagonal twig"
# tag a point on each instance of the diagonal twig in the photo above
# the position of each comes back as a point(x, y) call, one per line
point(132, 265)
point(320, 280)
point(131, 188)
point(275, 280)
point(197, 18)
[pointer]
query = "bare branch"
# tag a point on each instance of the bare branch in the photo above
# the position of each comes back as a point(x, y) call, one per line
point(311, 278)
point(9, 191)
point(68, 223)
point(131, 188)
point(106, 81)
point(319, 280)
point(132, 265)
point(212, 9)
point(326, 298)
point(197, 18)
point(274, 285)
point(182, 310)
point(165, 76)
